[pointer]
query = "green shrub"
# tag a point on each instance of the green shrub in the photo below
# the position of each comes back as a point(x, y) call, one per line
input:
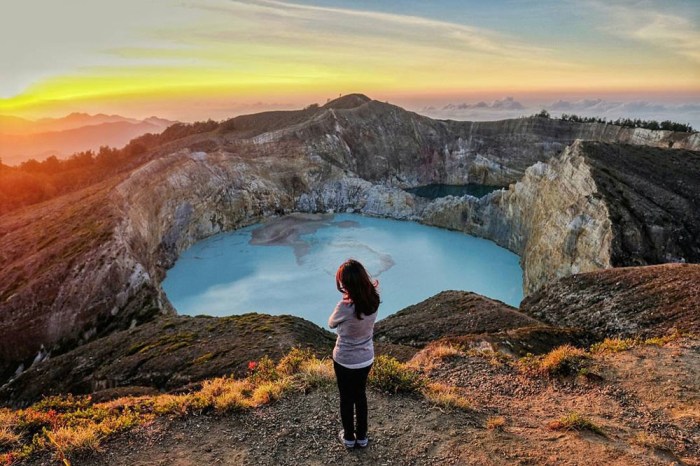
point(613, 345)
point(63, 403)
point(389, 375)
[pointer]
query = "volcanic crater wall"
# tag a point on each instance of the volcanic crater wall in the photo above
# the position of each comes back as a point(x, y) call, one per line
point(344, 156)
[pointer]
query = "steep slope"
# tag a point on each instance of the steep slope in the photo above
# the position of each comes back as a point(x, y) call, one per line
point(653, 201)
point(627, 301)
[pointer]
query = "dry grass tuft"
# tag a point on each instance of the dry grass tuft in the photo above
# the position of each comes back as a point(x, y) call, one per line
point(575, 421)
point(8, 438)
point(564, 360)
point(315, 373)
point(428, 357)
point(8, 422)
point(232, 400)
point(267, 392)
point(292, 362)
point(225, 394)
point(84, 438)
point(661, 341)
point(171, 404)
point(496, 423)
point(446, 395)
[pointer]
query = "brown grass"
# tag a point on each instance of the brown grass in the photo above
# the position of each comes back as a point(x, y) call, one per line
point(267, 392)
point(316, 373)
point(76, 439)
point(496, 423)
point(428, 357)
point(446, 395)
point(8, 438)
point(575, 421)
point(614, 345)
point(564, 360)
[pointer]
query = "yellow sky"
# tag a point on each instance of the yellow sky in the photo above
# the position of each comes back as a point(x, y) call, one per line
point(190, 60)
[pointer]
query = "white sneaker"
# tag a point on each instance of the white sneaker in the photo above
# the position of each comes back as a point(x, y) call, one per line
point(346, 443)
point(362, 443)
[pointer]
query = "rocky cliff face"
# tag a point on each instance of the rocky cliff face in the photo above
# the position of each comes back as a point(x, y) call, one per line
point(597, 206)
point(553, 218)
point(381, 142)
point(86, 264)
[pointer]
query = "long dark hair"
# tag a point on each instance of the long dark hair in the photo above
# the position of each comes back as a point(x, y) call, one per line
point(354, 282)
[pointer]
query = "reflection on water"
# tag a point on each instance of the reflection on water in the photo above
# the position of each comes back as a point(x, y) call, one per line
point(287, 266)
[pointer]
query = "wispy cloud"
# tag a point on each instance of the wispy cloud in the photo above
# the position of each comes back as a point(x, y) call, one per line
point(659, 29)
point(442, 33)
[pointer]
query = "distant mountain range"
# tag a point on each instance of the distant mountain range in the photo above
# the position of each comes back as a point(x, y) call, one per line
point(22, 139)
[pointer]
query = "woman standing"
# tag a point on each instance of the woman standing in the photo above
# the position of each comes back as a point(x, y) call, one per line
point(353, 354)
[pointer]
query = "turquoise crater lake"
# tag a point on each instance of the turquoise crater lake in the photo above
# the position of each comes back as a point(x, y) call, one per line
point(287, 266)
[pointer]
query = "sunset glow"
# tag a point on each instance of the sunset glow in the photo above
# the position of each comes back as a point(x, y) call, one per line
point(192, 60)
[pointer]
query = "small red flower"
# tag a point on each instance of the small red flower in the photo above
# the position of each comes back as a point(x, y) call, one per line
point(252, 365)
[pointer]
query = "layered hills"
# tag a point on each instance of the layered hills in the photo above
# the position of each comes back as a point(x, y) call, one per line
point(22, 139)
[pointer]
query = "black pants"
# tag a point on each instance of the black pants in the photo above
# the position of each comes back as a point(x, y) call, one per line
point(351, 385)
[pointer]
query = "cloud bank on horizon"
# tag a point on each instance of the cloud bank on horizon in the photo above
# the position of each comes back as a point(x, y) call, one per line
point(509, 107)
point(187, 59)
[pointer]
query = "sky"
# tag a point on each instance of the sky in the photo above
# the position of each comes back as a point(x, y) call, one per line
point(192, 60)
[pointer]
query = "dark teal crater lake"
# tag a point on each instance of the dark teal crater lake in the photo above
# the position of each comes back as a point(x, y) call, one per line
point(287, 266)
point(434, 191)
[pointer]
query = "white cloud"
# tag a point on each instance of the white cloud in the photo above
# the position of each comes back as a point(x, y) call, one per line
point(511, 108)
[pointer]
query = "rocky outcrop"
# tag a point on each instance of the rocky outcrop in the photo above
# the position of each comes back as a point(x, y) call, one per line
point(449, 313)
point(84, 265)
point(629, 301)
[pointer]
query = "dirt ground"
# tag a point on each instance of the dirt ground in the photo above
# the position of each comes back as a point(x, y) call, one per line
point(646, 402)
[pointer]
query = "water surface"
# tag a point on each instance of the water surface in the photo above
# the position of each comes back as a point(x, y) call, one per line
point(287, 266)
